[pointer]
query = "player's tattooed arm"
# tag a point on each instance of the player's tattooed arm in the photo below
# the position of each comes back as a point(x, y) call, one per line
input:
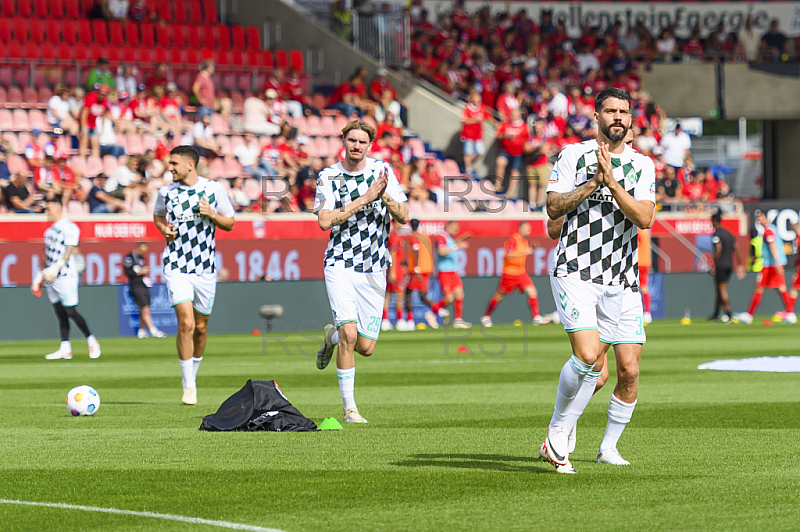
point(560, 203)
point(399, 211)
point(554, 227)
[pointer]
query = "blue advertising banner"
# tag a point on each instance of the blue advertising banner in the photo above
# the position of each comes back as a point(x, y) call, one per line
point(656, 295)
point(163, 315)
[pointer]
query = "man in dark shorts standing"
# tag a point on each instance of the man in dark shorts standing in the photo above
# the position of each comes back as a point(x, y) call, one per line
point(138, 272)
point(725, 249)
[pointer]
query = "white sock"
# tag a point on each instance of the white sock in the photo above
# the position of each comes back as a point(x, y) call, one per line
point(66, 347)
point(187, 369)
point(619, 414)
point(569, 382)
point(347, 385)
point(582, 398)
point(196, 365)
point(91, 339)
point(335, 338)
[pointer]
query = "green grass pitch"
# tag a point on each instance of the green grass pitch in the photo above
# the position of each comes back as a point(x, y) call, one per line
point(451, 444)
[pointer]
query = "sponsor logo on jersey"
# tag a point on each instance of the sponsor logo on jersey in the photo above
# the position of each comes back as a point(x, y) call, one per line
point(188, 218)
point(601, 195)
point(371, 206)
point(553, 177)
point(653, 187)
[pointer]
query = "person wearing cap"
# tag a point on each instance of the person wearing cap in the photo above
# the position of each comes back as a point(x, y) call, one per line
point(100, 201)
point(203, 89)
point(256, 114)
point(164, 145)
point(96, 107)
point(99, 75)
point(34, 151)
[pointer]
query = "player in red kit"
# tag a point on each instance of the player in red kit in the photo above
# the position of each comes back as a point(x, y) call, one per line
point(397, 280)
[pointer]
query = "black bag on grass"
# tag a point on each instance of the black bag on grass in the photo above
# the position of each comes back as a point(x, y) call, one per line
point(259, 405)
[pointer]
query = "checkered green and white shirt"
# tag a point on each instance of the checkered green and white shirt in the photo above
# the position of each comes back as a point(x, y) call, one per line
point(598, 243)
point(193, 249)
point(57, 237)
point(361, 242)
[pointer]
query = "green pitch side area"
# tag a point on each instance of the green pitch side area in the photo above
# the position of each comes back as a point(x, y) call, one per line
point(451, 443)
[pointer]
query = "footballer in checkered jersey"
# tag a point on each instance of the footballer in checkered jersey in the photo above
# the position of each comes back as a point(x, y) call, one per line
point(605, 190)
point(356, 200)
point(187, 213)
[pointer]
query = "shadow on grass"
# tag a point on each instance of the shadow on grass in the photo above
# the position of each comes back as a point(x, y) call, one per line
point(496, 462)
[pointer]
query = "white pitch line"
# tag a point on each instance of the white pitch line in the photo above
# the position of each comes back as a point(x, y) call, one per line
point(169, 517)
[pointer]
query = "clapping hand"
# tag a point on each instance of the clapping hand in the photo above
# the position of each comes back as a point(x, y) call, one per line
point(605, 172)
point(377, 187)
point(205, 208)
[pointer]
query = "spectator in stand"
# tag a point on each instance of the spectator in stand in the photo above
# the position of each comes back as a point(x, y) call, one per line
point(120, 183)
point(676, 145)
point(164, 145)
point(348, 98)
point(126, 80)
point(44, 179)
point(668, 189)
point(774, 44)
point(118, 9)
point(666, 46)
point(293, 91)
point(201, 136)
point(541, 150)
point(157, 77)
point(557, 102)
point(100, 201)
point(514, 136)
point(645, 141)
point(99, 11)
point(472, 119)
point(382, 148)
point(99, 75)
point(203, 89)
point(257, 112)
point(95, 108)
point(170, 110)
point(239, 198)
point(35, 152)
point(388, 124)
point(247, 154)
point(139, 12)
point(586, 59)
point(413, 183)
point(76, 100)
point(307, 181)
point(66, 177)
point(19, 196)
point(58, 111)
point(5, 174)
point(388, 106)
point(750, 40)
point(507, 101)
point(380, 85)
point(108, 137)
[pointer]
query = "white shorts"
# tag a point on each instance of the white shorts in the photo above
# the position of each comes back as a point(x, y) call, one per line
point(63, 289)
point(198, 288)
point(630, 329)
point(586, 305)
point(356, 297)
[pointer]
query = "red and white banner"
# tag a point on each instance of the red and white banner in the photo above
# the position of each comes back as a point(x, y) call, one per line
point(293, 248)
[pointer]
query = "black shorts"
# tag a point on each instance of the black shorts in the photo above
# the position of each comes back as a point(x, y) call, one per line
point(722, 275)
point(140, 295)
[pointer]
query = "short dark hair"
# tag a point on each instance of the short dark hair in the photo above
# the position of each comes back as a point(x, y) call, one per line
point(186, 151)
point(55, 199)
point(414, 224)
point(611, 92)
point(716, 217)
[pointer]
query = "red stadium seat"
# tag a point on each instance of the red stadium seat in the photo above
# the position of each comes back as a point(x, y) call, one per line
point(177, 36)
point(36, 30)
point(195, 11)
point(11, 138)
point(69, 31)
point(48, 53)
point(114, 55)
point(72, 9)
point(9, 8)
point(193, 37)
point(148, 34)
point(135, 146)
point(25, 8)
point(222, 58)
point(14, 52)
point(64, 54)
point(52, 30)
point(86, 6)
point(265, 59)
point(206, 54)
point(210, 37)
point(20, 117)
point(297, 60)
point(223, 35)
point(227, 81)
point(281, 59)
point(149, 141)
point(160, 55)
point(5, 30)
point(94, 165)
point(30, 51)
point(130, 55)
point(131, 37)
point(176, 57)
point(115, 36)
point(96, 52)
point(56, 8)
point(110, 164)
point(147, 56)
point(237, 59)
point(210, 11)
point(237, 35)
point(43, 95)
point(164, 10)
point(81, 53)
point(85, 31)
point(40, 8)
point(100, 32)
point(163, 35)
point(35, 116)
point(181, 16)
point(253, 37)
point(20, 30)
point(192, 58)
point(328, 126)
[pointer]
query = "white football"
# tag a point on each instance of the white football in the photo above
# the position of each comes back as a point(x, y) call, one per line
point(83, 400)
